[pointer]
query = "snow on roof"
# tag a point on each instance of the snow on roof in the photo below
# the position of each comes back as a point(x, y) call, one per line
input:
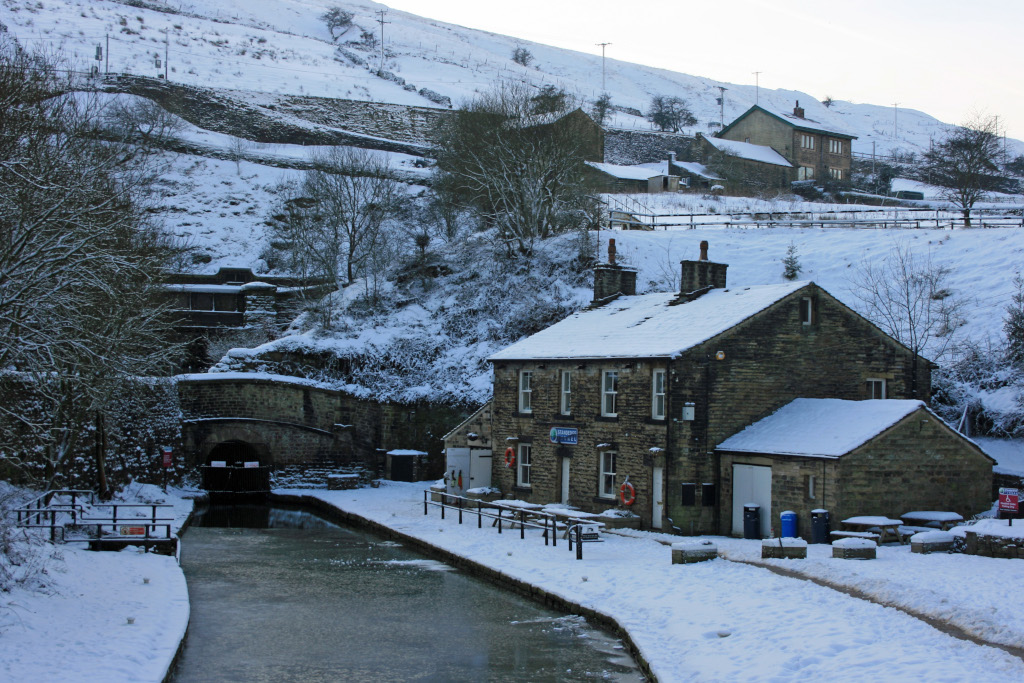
point(747, 150)
point(646, 326)
point(625, 172)
point(828, 427)
point(807, 124)
point(698, 169)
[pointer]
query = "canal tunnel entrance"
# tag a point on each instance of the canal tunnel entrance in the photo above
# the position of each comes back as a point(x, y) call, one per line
point(234, 468)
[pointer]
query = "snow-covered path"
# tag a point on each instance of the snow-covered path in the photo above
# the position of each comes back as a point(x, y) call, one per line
point(716, 620)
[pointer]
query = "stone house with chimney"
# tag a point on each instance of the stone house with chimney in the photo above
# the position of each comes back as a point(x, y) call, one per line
point(817, 151)
point(646, 389)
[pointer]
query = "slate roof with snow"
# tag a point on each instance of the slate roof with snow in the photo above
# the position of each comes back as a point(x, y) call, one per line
point(625, 172)
point(646, 326)
point(828, 427)
point(697, 169)
point(795, 121)
point(748, 150)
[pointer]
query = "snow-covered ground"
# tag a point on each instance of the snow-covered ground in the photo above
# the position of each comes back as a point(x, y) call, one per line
point(1008, 453)
point(72, 622)
point(723, 620)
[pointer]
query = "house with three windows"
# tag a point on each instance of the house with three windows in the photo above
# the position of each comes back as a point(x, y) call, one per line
point(816, 150)
point(653, 390)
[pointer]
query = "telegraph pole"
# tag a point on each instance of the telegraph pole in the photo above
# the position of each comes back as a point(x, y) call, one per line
point(381, 21)
point(167, 43)
point(106, 65)
point(603, 45)
point(895, 120)
point(757, 87)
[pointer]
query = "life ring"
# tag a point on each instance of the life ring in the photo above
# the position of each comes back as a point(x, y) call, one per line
point(627, 494)
point(510, 457)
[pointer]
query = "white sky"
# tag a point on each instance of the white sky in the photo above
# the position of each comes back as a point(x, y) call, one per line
point(948, 58)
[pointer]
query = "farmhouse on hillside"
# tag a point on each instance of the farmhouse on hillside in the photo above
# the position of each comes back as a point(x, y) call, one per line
point(818, 151)
point(743, 165)
point(656, 390)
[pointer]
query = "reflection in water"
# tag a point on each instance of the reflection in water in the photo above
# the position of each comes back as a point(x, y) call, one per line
point(282, 595)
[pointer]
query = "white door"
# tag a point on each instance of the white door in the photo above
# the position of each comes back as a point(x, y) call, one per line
point(658, 496)
point(456, 464)
point(479, 468)
point(565, 480)
point(751, 484)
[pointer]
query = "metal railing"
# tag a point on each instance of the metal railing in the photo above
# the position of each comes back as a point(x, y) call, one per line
point(550, 523)
point(65, 518)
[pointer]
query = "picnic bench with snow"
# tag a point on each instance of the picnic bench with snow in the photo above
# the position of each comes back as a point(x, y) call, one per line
point(932, 519)
point(875, 528)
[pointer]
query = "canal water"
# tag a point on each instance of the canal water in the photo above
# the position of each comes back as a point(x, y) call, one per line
point(283, 595)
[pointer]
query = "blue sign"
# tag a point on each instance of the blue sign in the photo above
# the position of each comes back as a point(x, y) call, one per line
point(565, 435)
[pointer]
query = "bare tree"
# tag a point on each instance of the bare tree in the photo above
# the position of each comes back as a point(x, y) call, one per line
point(910, 299)
point(518, 172)
point(670, 113)
point(142, 120)
point(338, 21)
point(602, 107)
point(80, 263)
point(965, 163)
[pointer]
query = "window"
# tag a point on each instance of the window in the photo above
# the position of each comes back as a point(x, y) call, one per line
point(708, 498)
point(835, 173)
point(835, 146)
point(608, 487)
point(525, 391)
point(609, 393)
point(565, 402)
point(658, 399)
point(806, 141)
point(523, 465)
point(876, 388)
point(806, 311)
point(805, 173)
point(688, 494)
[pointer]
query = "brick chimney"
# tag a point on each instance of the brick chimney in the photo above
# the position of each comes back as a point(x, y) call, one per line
point(700, 276)
point(798, 111)
point(612, 280)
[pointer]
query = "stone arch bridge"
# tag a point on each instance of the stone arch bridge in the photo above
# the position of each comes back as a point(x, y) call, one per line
point(283, 421)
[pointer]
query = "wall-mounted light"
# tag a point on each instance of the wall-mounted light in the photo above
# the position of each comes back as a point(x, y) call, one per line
point(689, 409)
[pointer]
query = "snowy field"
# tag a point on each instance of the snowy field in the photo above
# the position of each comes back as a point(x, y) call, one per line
point(74, 625)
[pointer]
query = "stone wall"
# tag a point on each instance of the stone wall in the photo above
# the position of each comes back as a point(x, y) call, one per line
point(629, 147)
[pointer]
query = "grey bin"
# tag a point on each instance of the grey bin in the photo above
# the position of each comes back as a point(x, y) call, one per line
point(752, 521)
point(820, 527)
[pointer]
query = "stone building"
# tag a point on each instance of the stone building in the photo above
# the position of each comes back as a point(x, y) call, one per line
point(743, 166)
point(816, 150)
point(643, 179)
point(645, 388)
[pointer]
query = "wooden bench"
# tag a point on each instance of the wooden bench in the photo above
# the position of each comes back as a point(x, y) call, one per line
point(856, 534)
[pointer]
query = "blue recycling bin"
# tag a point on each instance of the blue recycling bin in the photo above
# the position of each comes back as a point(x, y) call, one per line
point(788, 524)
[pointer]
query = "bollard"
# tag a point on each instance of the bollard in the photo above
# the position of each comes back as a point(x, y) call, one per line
point(479, 517)
point(579, 542)
point(522, 524)
point(460, 510)
point(425, 494)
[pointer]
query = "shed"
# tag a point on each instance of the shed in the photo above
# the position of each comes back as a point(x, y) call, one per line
point(630, 179)
point(877, 457)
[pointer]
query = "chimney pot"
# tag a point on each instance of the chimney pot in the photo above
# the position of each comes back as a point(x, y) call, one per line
point(704, 250)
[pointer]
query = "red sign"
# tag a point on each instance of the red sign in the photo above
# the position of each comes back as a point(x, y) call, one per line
point(132, 530)
point(1008, 500)
point(168, 456)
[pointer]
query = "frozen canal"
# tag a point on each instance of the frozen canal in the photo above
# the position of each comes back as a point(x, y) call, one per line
point(282, 595)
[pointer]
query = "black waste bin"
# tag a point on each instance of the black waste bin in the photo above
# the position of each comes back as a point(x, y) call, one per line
point(820, 526)
point(752, 520)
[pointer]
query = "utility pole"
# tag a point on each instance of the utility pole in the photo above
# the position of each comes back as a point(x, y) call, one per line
point(603, 46)
point(895, 120)
point(381, 21)
point(721, 102)
point(106, 65)
point(757, 87)
point(167, 43)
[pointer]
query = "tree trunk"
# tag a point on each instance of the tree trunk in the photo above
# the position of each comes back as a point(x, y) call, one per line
point(102, 488)
point(967, 218)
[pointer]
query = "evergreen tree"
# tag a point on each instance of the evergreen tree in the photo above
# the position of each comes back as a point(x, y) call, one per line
point(791, 263)
point(1013, 324)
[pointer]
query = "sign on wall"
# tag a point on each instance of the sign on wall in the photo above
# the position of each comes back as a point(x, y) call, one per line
point(565, 435)
point(168, 456)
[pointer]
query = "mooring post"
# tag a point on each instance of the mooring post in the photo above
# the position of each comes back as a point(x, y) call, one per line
point(545, 531)
point(460, 510)
point(479, 516)
point(579, 542)
point(522, 524)
point(499, 520)
point(444, 501)
point(425, 494)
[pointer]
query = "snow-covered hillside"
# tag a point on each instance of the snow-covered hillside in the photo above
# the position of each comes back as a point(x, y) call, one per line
point(282, 46)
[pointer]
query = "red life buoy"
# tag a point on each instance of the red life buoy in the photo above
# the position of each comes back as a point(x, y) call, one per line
point(627, 494)
point(510, 457)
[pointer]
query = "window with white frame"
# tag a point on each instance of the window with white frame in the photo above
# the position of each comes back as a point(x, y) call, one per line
point(658, 395)
point(876, 388)
point(806, 141)
point(608, 482)
point(565, 395)
point(835, 146)
point(835, 173)
point(805, 173)
point(806, 311)
point(525, 391)
point(523, 464)
point(609, 393)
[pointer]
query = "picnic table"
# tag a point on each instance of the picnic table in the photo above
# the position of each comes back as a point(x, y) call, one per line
point(518, 505)
point(934, 519)
point(865, 525)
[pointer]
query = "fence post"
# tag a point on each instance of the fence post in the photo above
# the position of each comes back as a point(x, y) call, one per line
point(579, 542)
point(444, 501)
point(460, 510)
point(499, 520)
point(425, 494)
point(568, 534)
point(522, 524)
point(545, 531)
point(479, 516)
